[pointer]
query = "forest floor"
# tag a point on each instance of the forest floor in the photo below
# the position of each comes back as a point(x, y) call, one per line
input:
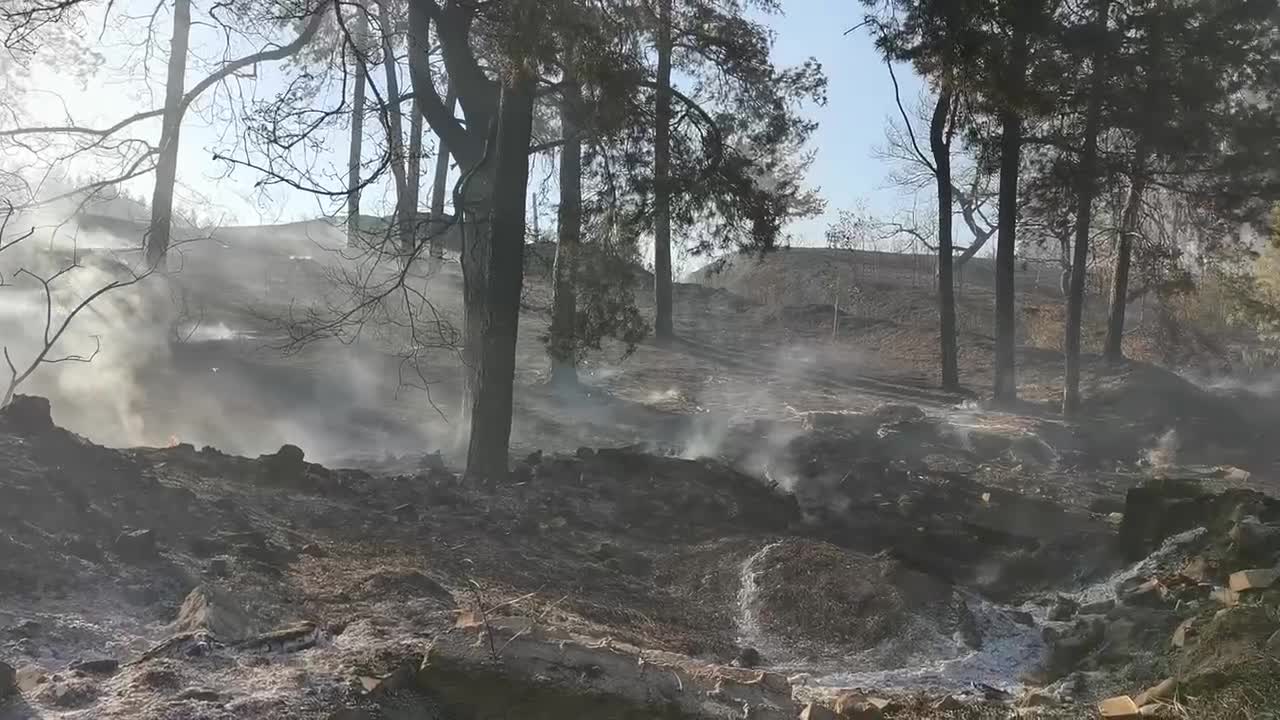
point(750, 519)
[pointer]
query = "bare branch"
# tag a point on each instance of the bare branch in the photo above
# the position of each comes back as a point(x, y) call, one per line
point(54, 329)
point(911, 133)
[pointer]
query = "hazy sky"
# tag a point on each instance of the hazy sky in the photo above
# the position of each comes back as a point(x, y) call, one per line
point(851, 125)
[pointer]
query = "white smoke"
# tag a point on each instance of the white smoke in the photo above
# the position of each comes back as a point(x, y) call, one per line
point(1164, 454)
point(92, 356)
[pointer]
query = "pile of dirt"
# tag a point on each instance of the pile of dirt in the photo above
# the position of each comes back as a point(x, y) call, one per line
point(826, 600)
point(1210, 426)
point(918, 486)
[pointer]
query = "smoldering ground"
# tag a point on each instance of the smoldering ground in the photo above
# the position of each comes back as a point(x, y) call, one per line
point(159, 360)
point(207, 356)
point(213, 354)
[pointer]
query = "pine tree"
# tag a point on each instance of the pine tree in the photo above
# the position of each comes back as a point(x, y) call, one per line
point(1098, 42)
point(978, 54)
point(1194, 111)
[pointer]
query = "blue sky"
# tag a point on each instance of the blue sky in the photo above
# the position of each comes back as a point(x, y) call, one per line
point(860, 101)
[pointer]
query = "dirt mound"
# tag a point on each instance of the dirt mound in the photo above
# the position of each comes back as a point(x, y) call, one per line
point(895, 479)
point(802, 276)
point(819, 596)
point(1157, 400)
point(540, 260)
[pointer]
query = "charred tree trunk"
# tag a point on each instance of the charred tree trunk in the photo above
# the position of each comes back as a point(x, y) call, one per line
point(357, 137)
point(1086, 188)
point(474, 145)
point(663, 325)
point(564, 301)
point(939, 143)
point(1006, 382)
point(394, 121)
point(499, 313)
point(473, 257)
point(167, 165)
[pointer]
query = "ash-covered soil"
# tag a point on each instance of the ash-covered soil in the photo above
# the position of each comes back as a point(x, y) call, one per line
point(760, 516)
point(923, 558)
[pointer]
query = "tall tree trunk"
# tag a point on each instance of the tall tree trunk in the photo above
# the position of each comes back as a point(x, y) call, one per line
point(395, 135)
point(1006, 381)
point(564, 301)
point(940, 145)
point(663, 325)
point(499, 314)
point(438, 185)
point(473, 256)
point(1086, 188)
point(438, 190)
point(471, 143)
point(414, 172)
point(1113, 350)
point(167, 164)
point(357, 135)
point(1113, 347)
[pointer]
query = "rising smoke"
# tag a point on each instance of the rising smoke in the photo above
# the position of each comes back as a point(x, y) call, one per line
point(188, 356)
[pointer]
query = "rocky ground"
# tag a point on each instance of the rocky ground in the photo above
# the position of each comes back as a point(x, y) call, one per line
point(889, 563)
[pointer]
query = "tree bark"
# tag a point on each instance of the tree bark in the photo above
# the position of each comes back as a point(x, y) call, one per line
point(1006, 382)
point(940, 145)
point(499, 314)
point(161, 228)
point(414, 172)
point(1086, 188)
point(357, 137)
point(563, 347)
point(473, 256)
point(471, 145)
point(663, 324)
point(395, 136)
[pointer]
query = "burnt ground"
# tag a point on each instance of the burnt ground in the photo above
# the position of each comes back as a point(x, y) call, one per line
point(212, 368)
point(852, 555)
point(781, 499)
